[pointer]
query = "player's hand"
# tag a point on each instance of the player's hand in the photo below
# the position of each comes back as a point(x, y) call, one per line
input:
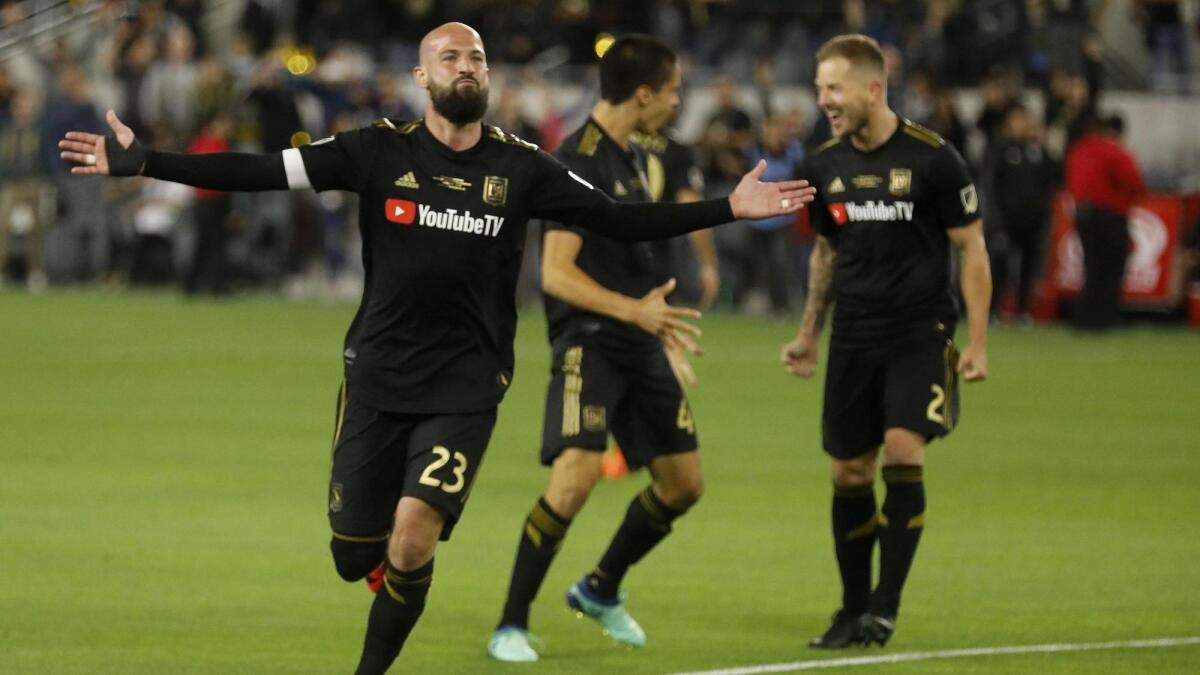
point(681, 366)
point(91, 153)
point(799, 357)
point(973, 364)
point(754, 199)
point(710, 285)
point(653, 315)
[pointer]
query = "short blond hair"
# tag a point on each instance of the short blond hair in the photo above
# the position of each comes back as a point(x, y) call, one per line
point(858, 49)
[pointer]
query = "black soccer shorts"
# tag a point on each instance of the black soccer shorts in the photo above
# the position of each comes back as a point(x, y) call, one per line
point(911, 384)
point(379, 457)
point(632, 394)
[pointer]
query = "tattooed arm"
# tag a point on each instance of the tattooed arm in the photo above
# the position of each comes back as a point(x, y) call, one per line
point(799, 357)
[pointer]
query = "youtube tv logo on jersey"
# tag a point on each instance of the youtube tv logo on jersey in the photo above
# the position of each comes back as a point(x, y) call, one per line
point(400, 211)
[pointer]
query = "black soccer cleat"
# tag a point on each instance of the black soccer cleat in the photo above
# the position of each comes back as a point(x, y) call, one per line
point(876, 628)
point(845, 630)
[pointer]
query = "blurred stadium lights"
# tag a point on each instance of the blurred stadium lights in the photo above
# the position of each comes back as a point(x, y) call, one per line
point(603, 42)
point(298, 61)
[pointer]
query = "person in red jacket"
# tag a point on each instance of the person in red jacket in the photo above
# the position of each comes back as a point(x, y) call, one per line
point(210, 267)
point(1103, 178)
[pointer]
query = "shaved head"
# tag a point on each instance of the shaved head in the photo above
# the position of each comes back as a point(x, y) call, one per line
point(439, 37)
point(454, 71)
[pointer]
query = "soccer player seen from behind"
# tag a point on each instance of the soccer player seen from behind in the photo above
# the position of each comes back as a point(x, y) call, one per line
point(893, 199)
point(615, 343)
point(428, 357)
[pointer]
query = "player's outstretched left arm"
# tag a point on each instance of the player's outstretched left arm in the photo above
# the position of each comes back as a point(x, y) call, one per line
point(976, 280)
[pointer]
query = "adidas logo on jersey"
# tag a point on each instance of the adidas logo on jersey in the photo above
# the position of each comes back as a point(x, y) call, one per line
point(873, 210)
point(836, 185)
point(408, 180)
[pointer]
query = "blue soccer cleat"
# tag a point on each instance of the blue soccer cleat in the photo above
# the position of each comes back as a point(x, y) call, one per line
point(511, 644)
point(611, 615)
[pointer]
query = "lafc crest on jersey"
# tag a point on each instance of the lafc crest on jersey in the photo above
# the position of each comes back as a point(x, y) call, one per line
point(495, 190)
point(900, 181)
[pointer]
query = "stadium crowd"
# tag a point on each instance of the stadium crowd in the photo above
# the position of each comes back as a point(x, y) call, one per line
point(285, 73)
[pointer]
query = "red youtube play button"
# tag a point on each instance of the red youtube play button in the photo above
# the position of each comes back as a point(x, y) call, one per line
point(837, 210)
point(400, 211)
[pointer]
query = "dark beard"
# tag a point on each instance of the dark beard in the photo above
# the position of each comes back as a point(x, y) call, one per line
point(459, 106)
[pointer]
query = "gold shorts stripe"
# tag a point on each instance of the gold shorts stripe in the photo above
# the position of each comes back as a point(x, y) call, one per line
point(917, 521)
point(864, 530)
point(341, 414)
point(360, 540)
point(544, 522)
point(572, 388)
point(951, 386)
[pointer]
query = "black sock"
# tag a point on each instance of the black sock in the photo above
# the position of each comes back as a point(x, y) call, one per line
point(854, 523)
point(647, 522)
point(398, 605)
point(900, 527)
point(541, 538)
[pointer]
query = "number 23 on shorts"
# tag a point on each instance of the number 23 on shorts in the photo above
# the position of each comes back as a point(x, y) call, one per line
point(443, 457)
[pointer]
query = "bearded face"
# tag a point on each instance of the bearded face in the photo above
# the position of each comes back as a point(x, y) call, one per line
point(462, 102)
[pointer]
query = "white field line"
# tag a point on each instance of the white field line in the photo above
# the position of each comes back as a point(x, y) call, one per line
point(818, 664)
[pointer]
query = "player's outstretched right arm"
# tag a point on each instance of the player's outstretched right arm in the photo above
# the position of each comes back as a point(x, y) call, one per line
point(120, 154)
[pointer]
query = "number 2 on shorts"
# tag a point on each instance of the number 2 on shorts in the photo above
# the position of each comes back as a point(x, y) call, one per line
point(939, 398)
point(443, 458)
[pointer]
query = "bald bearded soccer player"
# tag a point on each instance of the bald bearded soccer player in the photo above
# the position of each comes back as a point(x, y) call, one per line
point(429, 356)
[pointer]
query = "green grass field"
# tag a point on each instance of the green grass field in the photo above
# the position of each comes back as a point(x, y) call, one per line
point(162, 505)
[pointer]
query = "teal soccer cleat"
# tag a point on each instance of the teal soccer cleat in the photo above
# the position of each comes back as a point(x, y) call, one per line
point(612, 616)
point(511, 644)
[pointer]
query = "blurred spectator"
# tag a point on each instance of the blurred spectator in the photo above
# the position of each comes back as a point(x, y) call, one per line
point(1001, 92)
point(168, 95)
point(191, 14)
point(508, 114)
point(77, 245)
point(769, 261)
point(22, 188)
point(209, 271)
point(390, 98)
point(1022, 180)
point(214, 90)
point(1069, 105)
point(729, 123)
point(7, 90)
point(157, 213)
point(1104, 179)
point(134, 61)
point(1168, 41)
point(946, 121)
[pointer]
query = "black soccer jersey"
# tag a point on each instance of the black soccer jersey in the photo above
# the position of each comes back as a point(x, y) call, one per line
point(670, 166)
point(443, 233)
point(632, 269)
point(887, 212)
